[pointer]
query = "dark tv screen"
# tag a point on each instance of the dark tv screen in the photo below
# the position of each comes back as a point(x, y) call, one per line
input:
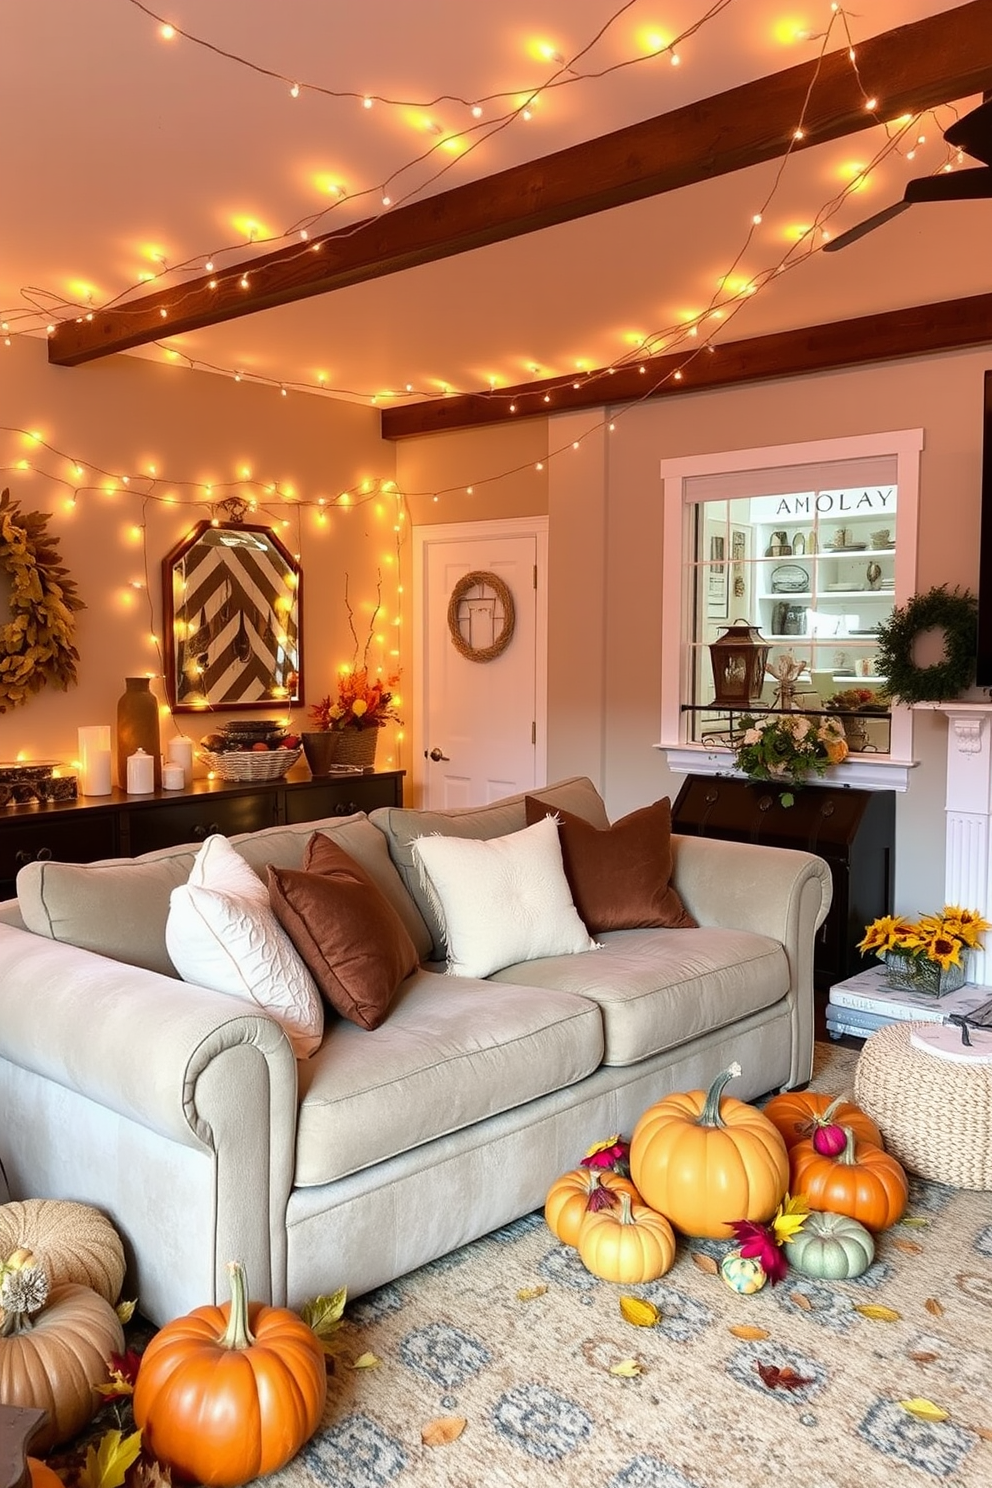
point(983, 669)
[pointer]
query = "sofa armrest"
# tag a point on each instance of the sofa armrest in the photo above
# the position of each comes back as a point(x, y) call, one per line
point(203, 1071)
point(780, 892)
point(750, 886)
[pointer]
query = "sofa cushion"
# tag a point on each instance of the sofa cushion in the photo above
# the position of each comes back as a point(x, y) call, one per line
point(118, 907)
point(620, 876)
point(659, 988)
point(503, 900)
point(401, 826)
point(346, 931)
point(221, 933)
point(452, 1052)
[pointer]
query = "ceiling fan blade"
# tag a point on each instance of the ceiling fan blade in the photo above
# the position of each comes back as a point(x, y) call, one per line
point(962, 185)
point(973, 133)
point(861, 228)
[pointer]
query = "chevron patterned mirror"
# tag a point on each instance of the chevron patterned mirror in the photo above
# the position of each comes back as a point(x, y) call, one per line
point(232, 599)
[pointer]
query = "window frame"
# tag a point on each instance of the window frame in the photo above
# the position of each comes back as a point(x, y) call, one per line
point(877, 772)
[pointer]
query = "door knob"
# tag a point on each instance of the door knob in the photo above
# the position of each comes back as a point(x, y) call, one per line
point(436, 755)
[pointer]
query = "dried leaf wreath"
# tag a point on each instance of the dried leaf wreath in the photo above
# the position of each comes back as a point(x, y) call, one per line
point(36, 643)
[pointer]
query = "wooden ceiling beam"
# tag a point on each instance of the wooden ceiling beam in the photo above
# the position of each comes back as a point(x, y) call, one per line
point(916, 66)
point(886, 336)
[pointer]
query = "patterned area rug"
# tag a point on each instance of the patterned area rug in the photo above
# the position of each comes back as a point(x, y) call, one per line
point(531, 1374)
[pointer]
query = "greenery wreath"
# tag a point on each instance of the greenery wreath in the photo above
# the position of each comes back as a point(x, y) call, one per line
point(36, 643)
point(953, 611)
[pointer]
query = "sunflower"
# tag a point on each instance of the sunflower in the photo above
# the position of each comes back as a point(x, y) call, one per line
point(944, 949)
point(881, 934)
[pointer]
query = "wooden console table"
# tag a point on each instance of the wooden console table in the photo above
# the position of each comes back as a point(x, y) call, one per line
point(123, 826)
point(852, 830)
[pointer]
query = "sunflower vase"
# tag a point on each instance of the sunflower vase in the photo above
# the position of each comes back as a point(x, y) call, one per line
point(907, 973)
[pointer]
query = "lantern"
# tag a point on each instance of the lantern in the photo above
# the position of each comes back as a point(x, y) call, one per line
point(738, 657)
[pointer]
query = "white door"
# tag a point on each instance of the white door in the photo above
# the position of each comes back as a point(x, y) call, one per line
point(481, 722)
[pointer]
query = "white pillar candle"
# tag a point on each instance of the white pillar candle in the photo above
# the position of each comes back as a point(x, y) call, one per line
point(140, 773)
point(181, 753)
point(94, 760)
point(172, 776)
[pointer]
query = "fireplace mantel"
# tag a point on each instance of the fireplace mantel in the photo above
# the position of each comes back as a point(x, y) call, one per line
point(968, 806)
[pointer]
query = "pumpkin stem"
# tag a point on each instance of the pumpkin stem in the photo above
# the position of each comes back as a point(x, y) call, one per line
point(847, 1157)
point(626, 1216)
point(237, 1334)
point(710, 1114)
point(827, 1118)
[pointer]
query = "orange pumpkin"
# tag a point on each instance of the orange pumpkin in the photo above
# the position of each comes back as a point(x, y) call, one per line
point(705, 1162)
point(230, 1393)
point(569, 1198)
point(630, 1244)
point(863, 1182)
point(798, 1114)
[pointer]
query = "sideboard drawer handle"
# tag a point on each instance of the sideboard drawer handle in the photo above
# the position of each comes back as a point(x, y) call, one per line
point(347, 808)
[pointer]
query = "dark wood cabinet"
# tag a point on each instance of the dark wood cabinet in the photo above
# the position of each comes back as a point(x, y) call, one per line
point(852, 830)
point(125, 826)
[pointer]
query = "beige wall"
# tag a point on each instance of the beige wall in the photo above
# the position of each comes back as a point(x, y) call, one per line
point(123, 415)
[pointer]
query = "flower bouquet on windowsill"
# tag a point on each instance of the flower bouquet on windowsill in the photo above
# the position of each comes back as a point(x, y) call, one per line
point(928, 955)
point(784, 749)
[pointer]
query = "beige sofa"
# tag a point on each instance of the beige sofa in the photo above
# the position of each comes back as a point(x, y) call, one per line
point(183, 1114)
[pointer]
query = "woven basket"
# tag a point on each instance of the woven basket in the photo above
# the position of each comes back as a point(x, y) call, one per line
point(356, 747)
point(250, 764)
point(935, 1115)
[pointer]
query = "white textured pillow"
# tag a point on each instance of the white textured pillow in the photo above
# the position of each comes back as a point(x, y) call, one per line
point(222, 933)
point(503, 900)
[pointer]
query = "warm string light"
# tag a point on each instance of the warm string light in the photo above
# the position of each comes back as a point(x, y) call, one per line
point(566, 73)
point(721, 311)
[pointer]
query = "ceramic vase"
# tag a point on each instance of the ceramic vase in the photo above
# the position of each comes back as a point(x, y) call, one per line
point(138, 727)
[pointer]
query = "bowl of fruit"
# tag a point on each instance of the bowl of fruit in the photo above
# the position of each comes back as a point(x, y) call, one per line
point(250, 750)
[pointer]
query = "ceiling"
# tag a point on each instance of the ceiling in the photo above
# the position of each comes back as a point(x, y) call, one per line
point(129, 155)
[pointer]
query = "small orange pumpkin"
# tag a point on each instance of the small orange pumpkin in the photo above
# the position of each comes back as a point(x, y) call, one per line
point(570, 1197)
point(630, 1244)
point(43, 1476)
point(863, 1182)
point(704, 1162)
point(230, 1393)
point(799, 1113)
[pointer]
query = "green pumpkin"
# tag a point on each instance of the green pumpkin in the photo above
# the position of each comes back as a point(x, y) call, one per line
point(831, 1247)
point(742, 1274)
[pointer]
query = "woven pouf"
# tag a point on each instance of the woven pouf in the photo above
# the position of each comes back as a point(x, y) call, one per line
point(934, 1114)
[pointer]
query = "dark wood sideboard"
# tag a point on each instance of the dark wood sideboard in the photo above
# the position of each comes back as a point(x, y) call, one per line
point(852, 830)
point(123, 826)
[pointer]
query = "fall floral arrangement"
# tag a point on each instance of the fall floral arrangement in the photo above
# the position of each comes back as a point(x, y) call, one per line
point(942, 939)
point(365, 699)
point(786, 748)
point(362, 702)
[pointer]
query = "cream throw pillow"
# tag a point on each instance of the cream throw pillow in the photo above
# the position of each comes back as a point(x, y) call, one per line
point(222, 933)
point(501, 901)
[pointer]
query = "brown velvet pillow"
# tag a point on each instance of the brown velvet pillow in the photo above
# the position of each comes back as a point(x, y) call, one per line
point(356, 946)
point(620, 876)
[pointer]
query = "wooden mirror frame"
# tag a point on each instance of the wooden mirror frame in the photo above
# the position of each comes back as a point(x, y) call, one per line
point(241, 591)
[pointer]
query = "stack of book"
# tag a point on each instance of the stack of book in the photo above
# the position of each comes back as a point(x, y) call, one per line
point(863, 1003)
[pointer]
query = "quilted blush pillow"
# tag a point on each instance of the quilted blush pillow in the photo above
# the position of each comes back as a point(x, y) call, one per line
point(221, 933)
point(503, 900)
point(620, 876)
point(345, 929)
